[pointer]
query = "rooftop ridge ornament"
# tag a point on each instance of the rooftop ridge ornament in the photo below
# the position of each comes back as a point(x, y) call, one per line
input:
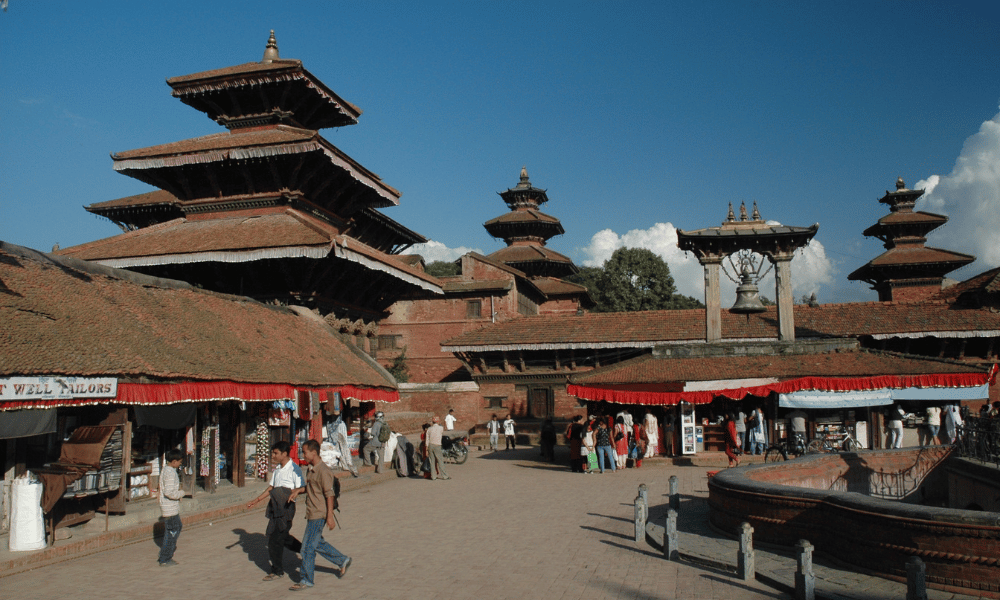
point(525, 182)
point(756, 213)
point(900, 184)
point(271, 51)
point(730, 218)
point(743, 211)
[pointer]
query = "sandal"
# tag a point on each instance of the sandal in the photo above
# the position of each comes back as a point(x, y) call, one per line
point(272, 576)
point(299, 586)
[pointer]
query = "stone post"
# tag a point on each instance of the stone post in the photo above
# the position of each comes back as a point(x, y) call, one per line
point(643, 493)
point(783, 290)
point(640, 519)
point(805, 579)
point(670, 550)
point(745, 567)
point(916, 579)
point(713, 303)
point(675, 497)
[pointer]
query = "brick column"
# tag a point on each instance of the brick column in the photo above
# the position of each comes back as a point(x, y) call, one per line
point(713, 304)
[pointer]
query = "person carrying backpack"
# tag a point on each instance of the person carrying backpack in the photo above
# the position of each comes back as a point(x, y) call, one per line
point(376, 444)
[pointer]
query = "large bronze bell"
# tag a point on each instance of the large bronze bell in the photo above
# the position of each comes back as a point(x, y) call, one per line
point(747, 295)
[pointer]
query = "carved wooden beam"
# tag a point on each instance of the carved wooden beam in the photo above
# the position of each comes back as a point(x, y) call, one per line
point(506, 364)
point(989, 349)
point(247, 177)
point(558, 362)
point(961, 349)
point(944, 347)
point(520, 358)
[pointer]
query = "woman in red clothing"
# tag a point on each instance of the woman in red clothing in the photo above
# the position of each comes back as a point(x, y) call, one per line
point(732, 442)
point(621, 441)
point(640, 442)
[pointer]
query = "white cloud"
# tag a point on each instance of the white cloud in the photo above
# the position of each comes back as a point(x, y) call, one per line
point(970, 197)
point(810, 268)
point(433, 251)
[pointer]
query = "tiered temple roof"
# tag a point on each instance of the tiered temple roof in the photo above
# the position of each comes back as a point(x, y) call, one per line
point(908, 269)
point(268, 209)
point(525, 229)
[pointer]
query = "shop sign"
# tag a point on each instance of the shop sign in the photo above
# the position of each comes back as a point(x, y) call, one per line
point(57, 388)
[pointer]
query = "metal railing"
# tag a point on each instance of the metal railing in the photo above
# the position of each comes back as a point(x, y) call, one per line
point(979, 439)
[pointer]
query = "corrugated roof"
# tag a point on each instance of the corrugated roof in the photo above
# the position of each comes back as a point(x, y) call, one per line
point(650, 369)
point(67, 317)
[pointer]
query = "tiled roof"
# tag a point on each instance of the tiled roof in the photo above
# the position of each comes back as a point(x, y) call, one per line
point(477, 286)
point(277, 134)
point(411, 259)
point(650, 369)
point(649, 328)
point(899, 217)
point(146, 199)
point(67, 317)
point(185, 237)
point(552, 286)
point(986, 282)
point(518, 254)
point(919, 255)
point(523, 216)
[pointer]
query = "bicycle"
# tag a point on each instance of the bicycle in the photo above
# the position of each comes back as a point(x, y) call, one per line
point(781, 450)
point(834, 442)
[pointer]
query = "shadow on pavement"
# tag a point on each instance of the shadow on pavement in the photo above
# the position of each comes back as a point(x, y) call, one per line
point(649, 553)
point(255, 546)
point(611, 517)
point(606, 532)
point(738, 584)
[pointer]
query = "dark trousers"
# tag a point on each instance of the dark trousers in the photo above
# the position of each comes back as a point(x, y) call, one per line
point(510, 442)
point(171, 531)
point(276, 544)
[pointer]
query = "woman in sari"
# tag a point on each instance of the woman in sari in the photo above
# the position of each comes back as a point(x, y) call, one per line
point(732, 441)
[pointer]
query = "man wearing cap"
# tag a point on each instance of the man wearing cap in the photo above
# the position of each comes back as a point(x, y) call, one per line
point(435, 455)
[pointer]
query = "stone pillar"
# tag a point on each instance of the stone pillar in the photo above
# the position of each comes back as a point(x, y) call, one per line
point(916, 579)
point(640, 519)
point(805, 579)
point(675, 496)
point(746, 569)
point(643, 493)
point(670, 550)
point(713, 303)
point(783, 291)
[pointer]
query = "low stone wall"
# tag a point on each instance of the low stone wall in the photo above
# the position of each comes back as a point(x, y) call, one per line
point(858, 508)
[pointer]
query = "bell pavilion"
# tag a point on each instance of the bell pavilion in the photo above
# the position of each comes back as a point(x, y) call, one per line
point(268, 208)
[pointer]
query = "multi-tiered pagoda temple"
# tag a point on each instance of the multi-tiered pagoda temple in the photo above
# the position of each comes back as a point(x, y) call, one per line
point(908, 270)
point(267, 209)
point(525, 229)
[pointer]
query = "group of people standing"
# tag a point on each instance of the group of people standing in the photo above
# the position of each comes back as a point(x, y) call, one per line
point(745, 434)
point(610, 440)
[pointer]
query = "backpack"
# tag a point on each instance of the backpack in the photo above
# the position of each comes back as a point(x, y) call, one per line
point(383, 433)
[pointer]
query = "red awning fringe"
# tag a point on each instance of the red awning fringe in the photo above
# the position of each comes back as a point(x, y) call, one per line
point(827, 384)
point(150, 394)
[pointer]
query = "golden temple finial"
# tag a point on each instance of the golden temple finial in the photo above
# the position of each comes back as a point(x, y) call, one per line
point(756, 213)
point(271, 52)
point(743, 211)
point(900, 185)
point(730, 217)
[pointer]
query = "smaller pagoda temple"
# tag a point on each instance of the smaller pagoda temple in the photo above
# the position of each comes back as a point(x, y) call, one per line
point(525, 229)
point(908, 270)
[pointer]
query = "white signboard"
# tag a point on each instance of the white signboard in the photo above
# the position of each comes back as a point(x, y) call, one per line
point(57, 388)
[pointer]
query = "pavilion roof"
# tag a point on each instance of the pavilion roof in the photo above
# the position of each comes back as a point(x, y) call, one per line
point(652, 328)
point(68, 317)
point(935, 261)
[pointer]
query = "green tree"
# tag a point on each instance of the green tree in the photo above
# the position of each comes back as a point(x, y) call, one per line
point(398, 368)
point(635, 279)
point(588, 277)
point(440, 268)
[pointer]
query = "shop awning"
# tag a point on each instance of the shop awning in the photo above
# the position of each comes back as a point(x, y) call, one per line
point(816, 399)
point(842, 385)
point(158, 394)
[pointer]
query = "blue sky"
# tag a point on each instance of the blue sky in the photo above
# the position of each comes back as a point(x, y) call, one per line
point(637, 117)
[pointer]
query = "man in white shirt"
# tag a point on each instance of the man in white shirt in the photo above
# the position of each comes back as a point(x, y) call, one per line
point(493, 427)
point(285, 485)
point(508, 432)
point(449, 421)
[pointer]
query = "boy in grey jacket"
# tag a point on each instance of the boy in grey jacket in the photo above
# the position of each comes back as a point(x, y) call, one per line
point(170, 505)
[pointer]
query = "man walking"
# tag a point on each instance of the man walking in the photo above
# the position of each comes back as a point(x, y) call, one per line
point(493, 427)
point(285, 486)
point(435, 456)
point(170, 507)
point(449, 421)
point(321, 501)
point(375, 450)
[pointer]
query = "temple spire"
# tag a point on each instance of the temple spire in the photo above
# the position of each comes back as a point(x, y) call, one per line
point(271, 51)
